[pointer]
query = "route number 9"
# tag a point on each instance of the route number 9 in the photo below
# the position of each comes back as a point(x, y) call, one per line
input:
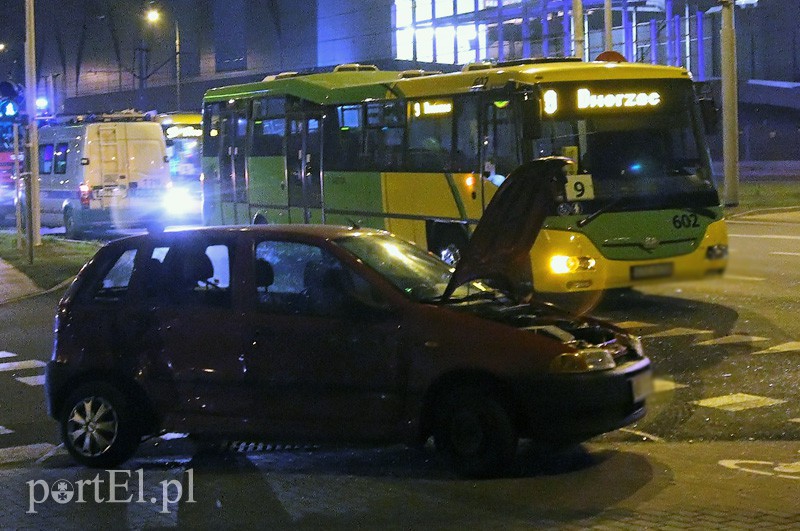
point(579, 187)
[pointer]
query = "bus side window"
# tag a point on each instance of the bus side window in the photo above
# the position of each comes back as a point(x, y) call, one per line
point(384, 135)
point(46, 158)
point(60, 158)
point(212, 116)
point(466, 131)
point(269, 127)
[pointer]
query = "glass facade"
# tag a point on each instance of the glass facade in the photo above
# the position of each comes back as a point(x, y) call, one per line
point(463, 31)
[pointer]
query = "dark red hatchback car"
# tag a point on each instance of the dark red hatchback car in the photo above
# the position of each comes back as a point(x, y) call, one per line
point(325, 334)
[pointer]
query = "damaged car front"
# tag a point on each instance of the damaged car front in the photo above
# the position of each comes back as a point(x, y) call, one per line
point(489, 362)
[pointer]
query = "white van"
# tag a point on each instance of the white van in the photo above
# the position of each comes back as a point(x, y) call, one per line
point(104, 171)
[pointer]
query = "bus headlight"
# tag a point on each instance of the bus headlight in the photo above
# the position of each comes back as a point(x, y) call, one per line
point(585, 360)
point(560, 264)
point(178, 200)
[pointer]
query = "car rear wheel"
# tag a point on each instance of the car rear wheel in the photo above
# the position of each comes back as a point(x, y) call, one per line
point(475, 434)
point(97, 426)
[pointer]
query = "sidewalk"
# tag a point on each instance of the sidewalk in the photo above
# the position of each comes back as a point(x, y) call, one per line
point(13, 284)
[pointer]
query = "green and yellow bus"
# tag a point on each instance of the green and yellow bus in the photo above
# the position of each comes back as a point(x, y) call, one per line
point(421, 154)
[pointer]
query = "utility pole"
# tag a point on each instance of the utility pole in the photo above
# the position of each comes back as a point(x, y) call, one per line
point(577, 27)
point(33, 130)
point(730, 106)
point(608, 23)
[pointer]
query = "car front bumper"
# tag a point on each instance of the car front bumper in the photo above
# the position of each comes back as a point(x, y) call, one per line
point(575, 407)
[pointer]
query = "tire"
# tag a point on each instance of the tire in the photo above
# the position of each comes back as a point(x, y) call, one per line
point(260, 220)
point(98, 427)
point(447, 242)
point(71, 230)
point(475, 434)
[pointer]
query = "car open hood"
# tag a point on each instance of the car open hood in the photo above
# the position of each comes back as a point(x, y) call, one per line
point(500, 245)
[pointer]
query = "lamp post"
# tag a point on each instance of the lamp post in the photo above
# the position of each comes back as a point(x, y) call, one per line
point(33, 132)
point(153, 15)
point(730, 103)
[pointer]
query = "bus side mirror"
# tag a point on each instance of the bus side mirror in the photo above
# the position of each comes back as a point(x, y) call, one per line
point(710, 115)
point(531, 116)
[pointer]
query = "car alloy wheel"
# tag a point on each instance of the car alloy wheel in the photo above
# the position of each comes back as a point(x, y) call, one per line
point(93, 426)
point(97, 426)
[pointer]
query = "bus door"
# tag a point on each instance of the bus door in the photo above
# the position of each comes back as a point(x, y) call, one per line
point(500, 153)
point(232, 165)
point(304, 166)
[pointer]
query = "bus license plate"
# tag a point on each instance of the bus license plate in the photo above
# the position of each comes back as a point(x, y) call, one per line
point(651, 271)
point(641, 386)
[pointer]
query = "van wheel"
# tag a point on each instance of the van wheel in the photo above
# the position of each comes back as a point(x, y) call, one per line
point(260, 220)
point(71, 230)
point(97, 426)
point(475, 434)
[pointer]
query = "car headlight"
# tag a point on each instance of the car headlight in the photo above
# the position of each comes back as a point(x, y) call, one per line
point(561, 264)
point(585, 360)
point(178, 200)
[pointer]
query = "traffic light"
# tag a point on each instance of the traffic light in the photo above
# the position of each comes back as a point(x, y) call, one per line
point(11, 99)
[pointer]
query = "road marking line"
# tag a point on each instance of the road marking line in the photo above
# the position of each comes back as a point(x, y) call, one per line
point(6, 354)
point(791, 346)
point(24, 453)
point(661, 385)
point(634, 324)
point(732, 339)
point(5, 431)
point(737, 402)
point(53, 451)
point(654, 438)
point(740, 277)
point(765, 236)
point(781, 253)
point(679, 332)
point(19, 365)
point(31, 380)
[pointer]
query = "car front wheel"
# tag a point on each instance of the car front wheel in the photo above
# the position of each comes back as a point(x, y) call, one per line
point(476, 435)
point(97, 426)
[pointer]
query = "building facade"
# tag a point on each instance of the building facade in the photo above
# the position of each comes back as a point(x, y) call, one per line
point(96, 55)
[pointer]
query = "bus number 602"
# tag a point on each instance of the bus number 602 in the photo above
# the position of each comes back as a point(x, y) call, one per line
point(685, 221)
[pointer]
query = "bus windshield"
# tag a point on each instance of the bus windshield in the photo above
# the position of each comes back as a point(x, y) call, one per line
point(656, 158)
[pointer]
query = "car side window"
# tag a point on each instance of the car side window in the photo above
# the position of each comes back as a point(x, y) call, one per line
point(297, 278)
point(190, 274)
point(114, 284)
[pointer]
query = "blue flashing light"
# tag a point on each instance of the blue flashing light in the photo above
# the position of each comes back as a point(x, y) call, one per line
point(41, 103)
point(9, 108)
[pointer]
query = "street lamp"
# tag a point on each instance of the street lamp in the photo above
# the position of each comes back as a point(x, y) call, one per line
point(152, 16)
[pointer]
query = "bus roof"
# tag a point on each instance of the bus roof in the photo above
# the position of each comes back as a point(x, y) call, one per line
point(354, 86)
point(191, 118)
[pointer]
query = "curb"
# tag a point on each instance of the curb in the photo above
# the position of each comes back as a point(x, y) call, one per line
point(60, 286)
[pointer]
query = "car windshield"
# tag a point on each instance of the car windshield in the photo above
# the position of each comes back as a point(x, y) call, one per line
point(415, 272)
